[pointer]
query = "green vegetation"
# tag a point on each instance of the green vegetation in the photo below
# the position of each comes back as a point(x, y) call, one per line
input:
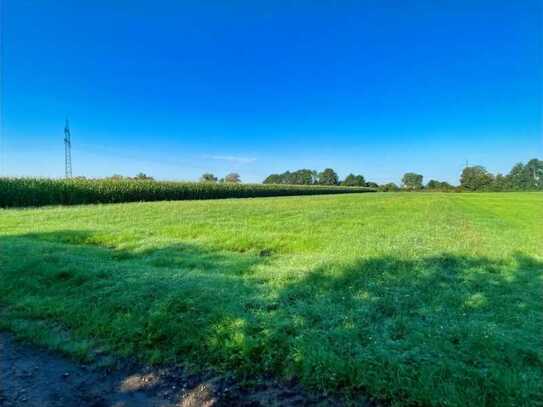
point(476, 178)
point(298, 177)
point(434, 185)
point(232, 177)
point(354, 181)
point(412, 181)
point(426, 299)
point(18, 192)
point(208, 177)
point(328, 177)
point(522, 177)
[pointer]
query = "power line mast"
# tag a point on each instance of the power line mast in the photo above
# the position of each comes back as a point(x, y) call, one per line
point(67, 151)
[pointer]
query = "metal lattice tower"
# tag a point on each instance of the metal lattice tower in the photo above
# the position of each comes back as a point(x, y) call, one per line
point(67, 150)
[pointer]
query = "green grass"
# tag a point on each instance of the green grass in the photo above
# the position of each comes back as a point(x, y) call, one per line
point(428, 299)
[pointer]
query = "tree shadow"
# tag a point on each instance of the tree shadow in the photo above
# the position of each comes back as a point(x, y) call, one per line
point(447, 328)
point(456, 329)
point(159, 303)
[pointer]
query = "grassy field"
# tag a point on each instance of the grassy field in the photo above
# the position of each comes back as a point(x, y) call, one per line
point(415, 298)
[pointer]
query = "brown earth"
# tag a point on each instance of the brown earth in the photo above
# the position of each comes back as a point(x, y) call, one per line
point(31, 376)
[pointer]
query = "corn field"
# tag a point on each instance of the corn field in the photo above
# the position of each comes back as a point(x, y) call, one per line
point(25, 192)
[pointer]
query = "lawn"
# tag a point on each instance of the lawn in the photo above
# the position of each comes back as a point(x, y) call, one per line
point(422, 298)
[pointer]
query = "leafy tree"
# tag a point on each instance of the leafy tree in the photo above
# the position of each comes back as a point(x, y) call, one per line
point(232, 178)
point(519, 177)
point(439, 185)
point(328, 177)
point(534, 174)
point(433, 184)
point(445, 186)
point(476, 178)
point(286, 177)
point(370, 184)
point(299, 177)
point(390, 187)
point(208, 177)
point(352, 180)
point(502, 183)
point(303, 177)
point(143, 177)
point(412, 181)
point(273, 179)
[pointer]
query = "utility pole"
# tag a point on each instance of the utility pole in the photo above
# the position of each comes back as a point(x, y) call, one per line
point(67, 151)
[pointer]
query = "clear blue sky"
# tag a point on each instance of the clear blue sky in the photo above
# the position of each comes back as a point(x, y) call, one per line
point(177, 88)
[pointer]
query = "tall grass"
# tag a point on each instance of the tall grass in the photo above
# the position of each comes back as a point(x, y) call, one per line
point(21, 192)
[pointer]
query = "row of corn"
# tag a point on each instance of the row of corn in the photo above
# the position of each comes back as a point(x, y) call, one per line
point(24, 192)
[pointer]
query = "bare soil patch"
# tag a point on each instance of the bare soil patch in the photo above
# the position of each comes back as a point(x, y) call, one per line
point(31, 376)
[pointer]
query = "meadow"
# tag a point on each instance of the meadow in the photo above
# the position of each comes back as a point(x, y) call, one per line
point(411, 298)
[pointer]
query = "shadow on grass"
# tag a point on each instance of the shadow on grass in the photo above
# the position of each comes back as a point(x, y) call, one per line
point(443, 329)
point(460, 329)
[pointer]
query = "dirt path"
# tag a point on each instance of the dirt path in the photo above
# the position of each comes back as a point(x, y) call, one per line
point(30, 376)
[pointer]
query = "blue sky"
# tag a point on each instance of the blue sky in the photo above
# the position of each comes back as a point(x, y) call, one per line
point(178, 88)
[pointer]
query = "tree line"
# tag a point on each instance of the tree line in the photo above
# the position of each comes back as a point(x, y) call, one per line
point(312, 177)
point(522, 177)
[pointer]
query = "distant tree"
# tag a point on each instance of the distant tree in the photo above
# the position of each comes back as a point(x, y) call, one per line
point(143, 177)
point(232, 178)
point(518, 177)
point(370, 184)
point(529, 176)
point(445, 186)
point(298, 177)
point(352, 180)
point(501, 183)
point(522, 177)
point(314, 177)
point(302, 177)
point(412, 181)
point(208, 177)
point(476, 178)
point(273, 179)
point(434, 185)
point(535, 167)
point(328, 177)
point(348, 181)
point(390, 187)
